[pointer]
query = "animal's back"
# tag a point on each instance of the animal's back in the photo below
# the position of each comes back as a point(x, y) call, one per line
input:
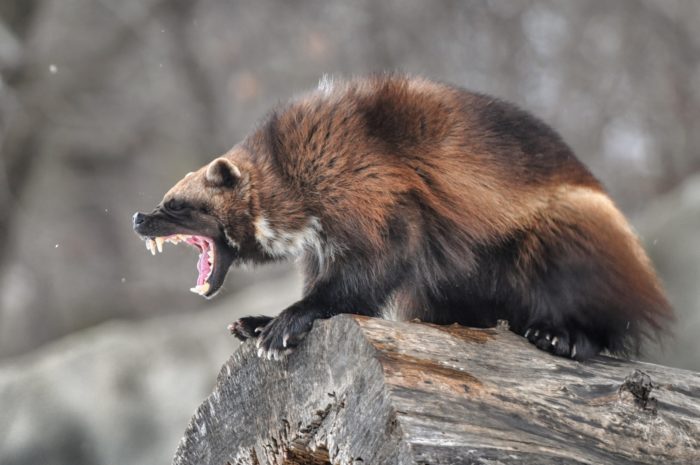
point(454, 206)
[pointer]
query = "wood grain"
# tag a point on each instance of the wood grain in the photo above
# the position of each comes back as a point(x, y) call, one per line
point(370, 391)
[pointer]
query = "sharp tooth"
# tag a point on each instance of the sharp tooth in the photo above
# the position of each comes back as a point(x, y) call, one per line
point(152, 246)
point(201, 289)
point(159, 243)
point(148, 244)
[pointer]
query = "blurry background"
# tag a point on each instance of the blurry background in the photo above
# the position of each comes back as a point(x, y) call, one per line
point(104, 354)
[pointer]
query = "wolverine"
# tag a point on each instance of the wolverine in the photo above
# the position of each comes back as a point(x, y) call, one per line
point(405, 198)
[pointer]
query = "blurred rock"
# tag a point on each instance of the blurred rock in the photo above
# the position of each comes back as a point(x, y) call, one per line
point(120, 392)
point(670, 229)
point(10, 49)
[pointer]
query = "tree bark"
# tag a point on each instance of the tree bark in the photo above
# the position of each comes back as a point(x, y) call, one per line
point(369, 391)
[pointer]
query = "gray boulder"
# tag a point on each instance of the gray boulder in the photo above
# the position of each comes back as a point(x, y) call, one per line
point(121, 392)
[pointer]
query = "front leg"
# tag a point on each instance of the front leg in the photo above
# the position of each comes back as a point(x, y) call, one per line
point(355, 286)
point(249, 327)
point(281, 334)
point(288, 329)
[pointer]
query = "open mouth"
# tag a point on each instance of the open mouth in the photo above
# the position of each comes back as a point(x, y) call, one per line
point(206, 264)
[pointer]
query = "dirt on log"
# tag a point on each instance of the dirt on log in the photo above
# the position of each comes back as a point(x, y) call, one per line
point(369, 391)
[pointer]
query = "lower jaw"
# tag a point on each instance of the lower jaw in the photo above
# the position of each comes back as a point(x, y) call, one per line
point(225, 257)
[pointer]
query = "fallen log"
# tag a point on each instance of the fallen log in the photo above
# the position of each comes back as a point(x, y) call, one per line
point(369, 391)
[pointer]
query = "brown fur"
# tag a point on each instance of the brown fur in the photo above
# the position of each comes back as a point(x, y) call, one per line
point(440, 204)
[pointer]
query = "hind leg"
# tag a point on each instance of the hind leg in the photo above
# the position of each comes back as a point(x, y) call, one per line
point(562, 341)
point(583, 272)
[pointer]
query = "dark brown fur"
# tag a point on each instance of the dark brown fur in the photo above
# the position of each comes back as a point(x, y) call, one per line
point(422, 200)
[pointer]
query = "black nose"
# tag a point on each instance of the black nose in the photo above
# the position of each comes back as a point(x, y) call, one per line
point(139, 218)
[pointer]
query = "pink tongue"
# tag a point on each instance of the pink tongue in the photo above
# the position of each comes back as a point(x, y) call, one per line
point(203, 266)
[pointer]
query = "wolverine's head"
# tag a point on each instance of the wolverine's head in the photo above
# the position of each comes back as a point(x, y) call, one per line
point(208, 209)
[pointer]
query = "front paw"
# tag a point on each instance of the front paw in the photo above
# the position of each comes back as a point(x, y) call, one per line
point(284, 333)
point(249, 327)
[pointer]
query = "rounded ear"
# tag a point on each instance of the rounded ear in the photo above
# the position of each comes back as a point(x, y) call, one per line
point(222, 173)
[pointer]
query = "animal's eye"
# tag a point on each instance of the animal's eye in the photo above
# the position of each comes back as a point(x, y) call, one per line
point(175, 205)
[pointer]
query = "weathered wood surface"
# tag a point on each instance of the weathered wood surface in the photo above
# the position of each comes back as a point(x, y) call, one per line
point(370, 391)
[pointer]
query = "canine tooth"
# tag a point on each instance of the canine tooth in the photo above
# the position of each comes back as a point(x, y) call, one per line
point(200, 289)
point(159, 243)
point(152, 246)
point(196, 290)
